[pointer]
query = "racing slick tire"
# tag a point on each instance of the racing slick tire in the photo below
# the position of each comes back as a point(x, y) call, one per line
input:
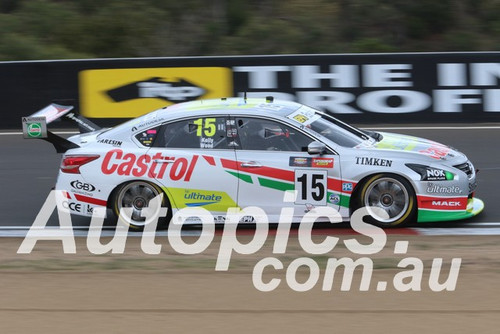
point(135, 196)
point(393, 194)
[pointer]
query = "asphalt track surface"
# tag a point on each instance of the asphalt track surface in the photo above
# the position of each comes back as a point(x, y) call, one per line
point(28, 171)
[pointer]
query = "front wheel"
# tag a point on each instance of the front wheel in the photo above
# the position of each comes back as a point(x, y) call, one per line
point(391, 193)
point(131, 199)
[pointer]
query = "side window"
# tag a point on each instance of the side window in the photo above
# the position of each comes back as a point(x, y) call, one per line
point(202, 132)
point(147, 137)
point(261, 134)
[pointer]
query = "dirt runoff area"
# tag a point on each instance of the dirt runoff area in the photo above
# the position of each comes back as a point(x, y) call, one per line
point(51, 292)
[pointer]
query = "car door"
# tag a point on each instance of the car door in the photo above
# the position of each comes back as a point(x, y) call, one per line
point(272, 159)
point(190, 154)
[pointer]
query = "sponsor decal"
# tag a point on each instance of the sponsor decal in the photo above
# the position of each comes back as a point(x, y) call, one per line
point(219, 219)
point(75, 207)
point(146, 124)
point(436, 152)
point(34, 130)
point(247, 219)
point(84, 123)
point(300, 118)
point(347, 186)
point(82, 186)
point(200, 198)
point(116, 143)
point(442, 203)
point(231, 130)
point(212, 200)
point(322, 162)
point(81, 208)
point(131, 92)
point(435, 174)
point(446, 203)
point(304, 116)
point(373, 161)
point(127, 164)
point(430, 173)
point(433, 188)
point(34, 127)
point(334, 198)
point(146, 137)
point(299, 162)
point(311, 162)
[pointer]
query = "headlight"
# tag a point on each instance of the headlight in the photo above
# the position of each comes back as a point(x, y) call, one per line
point(430, 173)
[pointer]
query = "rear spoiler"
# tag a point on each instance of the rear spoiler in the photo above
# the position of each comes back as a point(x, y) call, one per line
point(35, 126)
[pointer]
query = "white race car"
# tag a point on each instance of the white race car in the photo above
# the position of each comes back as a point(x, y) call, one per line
point(238, 152)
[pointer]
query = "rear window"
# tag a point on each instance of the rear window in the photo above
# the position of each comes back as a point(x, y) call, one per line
point(147, 137)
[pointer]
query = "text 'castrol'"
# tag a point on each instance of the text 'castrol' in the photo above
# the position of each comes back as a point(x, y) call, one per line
point(156, 166)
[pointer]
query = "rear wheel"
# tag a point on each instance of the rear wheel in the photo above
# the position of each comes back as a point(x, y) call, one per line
point(391, 193)
point(133, 197)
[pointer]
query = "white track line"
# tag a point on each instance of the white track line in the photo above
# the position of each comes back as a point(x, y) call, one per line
point(480, 228)
point(491, 224)
point(448, 231)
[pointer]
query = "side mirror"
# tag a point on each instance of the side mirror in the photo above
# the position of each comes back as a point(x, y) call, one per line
point(316, 147)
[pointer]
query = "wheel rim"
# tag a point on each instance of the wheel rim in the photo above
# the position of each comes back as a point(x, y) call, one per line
point(136, 195)
point(388, 194)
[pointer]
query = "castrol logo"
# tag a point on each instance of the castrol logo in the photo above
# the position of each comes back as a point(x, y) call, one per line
point(130, 164)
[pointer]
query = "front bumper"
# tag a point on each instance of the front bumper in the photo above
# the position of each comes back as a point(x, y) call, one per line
point(474, 207)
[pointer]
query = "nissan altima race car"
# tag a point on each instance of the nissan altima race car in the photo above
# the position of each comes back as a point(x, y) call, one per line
point(238, 152)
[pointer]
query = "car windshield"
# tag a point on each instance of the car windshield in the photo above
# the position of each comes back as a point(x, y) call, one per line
point(335, 130)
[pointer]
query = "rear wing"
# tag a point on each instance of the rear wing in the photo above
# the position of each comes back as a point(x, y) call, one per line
point(35, 126)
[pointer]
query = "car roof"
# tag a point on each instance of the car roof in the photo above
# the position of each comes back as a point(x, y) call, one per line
point(231, 105)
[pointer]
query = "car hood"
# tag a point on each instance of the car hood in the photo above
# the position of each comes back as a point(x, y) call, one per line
point(420, 146)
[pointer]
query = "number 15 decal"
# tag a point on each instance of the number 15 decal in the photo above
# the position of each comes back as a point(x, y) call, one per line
point(311, 186)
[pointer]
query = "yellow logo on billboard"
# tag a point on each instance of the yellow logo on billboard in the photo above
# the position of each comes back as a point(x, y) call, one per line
point(132, 92)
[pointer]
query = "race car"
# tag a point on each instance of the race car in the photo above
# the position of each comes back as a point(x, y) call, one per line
point(238, 152)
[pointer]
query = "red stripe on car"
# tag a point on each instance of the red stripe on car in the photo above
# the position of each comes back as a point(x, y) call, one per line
point(90, 200)
point(209, 159)
point(276, 173)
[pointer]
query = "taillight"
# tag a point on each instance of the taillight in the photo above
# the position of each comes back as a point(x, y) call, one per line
point(72, 163)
